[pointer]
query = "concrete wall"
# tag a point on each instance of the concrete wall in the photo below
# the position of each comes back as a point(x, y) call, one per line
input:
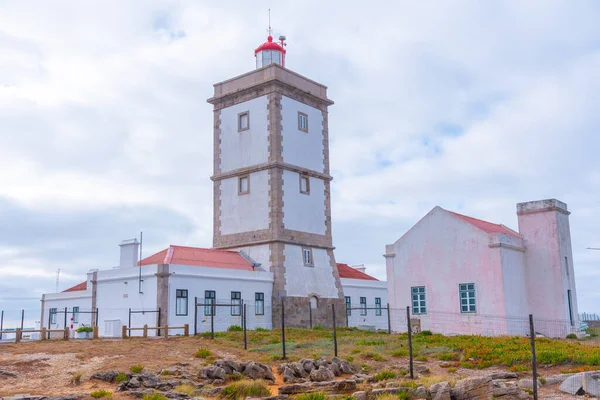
point(304, 149)
point(81, 299)
point(357, 288)
point(440, 252)
point(259, 254)
point(246, 148)
point(303, 212)
point(223, 281)
point(247, 212)
point(303, 281)
point(516, 303)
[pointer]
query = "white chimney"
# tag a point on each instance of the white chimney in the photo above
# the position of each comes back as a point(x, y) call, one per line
point(130, 250)
point(360, 267)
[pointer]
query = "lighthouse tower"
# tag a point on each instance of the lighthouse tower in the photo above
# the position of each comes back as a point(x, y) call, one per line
point(272, 183)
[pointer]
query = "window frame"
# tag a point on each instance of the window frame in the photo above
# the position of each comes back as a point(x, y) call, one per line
point(240, 178)
point(348, 305)
point(75, 314)
point(378, 306)
point(421, 307)
point(237, 307)
point(259, 303)
point(52, 312)
point(467, 291)
point(305, 177)
point(300, 115)
point(363, 306)
point(212, 296)
point(312, 260)
point(181, 296)
point(239, 121)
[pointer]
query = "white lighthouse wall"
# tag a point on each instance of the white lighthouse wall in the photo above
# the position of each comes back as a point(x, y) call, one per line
point(357, 288)
point(304, 149)
point(249, 147)
point(303, 281)
point(245, 212)
point(303, 212)
point(259, 254)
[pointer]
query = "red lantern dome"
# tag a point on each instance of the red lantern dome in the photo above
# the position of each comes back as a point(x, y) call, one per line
point(270, 52)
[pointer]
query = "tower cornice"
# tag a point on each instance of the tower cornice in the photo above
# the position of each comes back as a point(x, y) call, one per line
point(270, 165)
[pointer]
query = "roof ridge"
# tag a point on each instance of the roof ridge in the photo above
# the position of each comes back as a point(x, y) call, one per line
point(202, 248)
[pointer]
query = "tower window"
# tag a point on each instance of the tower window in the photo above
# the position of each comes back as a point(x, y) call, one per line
point(243, 121)
point(244, 184)
point(307, 257)
point(302, 122)
point(304, 184)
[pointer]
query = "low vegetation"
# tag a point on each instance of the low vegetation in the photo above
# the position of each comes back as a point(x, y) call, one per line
point(76, 378)
point(98, 394)
point(186, 389)
point(154, 396)
point(122, 377)
point(384, 375)
point(243, 389)
point(312, 396)
point(136, 369)
point(235, 328)
point(203, 353)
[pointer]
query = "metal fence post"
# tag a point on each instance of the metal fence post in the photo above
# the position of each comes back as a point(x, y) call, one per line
point(410, 350)
point(96, 316)
point(283, 329)
point(2, 323)
point(65, 327)
point(244, 325)
point(389, 319)
point(241, 315)
point(195, 316)
point(22, 318)
point(533, 358)
point(335, 346)
point(348, 311)
point(212, 319)
point(158, 331)
point(129, 323)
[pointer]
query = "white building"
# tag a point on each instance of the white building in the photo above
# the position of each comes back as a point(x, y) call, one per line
point(272, 238)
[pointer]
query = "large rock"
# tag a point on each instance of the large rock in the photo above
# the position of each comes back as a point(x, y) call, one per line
point(378, 392)
point(342, 386)
point(472, 388)
point(421, 393)
point(308, 365)
point(229, 366)
point(440, 391)
point(298, 370)
point(7, 374)
point(212, 373)
point(321, 375)
point(108, 376)
point(503, 375)
point(289, 375)
point(573, 385)
point(527, 383)
point(509, 393)
point(363, 378)
point(147, 380)
point(254, 370)
point(554, 379)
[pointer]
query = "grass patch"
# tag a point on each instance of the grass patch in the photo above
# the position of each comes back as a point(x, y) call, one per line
point(243, 389)
point(422, 358)
point(373, 356)
point(122, 377)
point(259, 329)
point(318, 328)
point(384, 375)
point(519, 368)
point(363, 342)
point(136, 369)
point(186, 389)
point(467, 364)
point(98, 394)
point(203, 353)
point(571, 336)
point(400, 353)
point(312, 396)
point(154, 396)
point(166, 372)
point(235, 328)
point(451, 370)
point(403, 395)
point(76, 378)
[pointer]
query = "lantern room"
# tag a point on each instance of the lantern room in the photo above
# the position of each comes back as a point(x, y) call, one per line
point(270, 53)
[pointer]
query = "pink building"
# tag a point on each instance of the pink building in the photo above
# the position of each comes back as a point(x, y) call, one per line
point(463, 275)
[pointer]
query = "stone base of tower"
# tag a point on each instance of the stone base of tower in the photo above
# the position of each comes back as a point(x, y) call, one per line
point(299, 312)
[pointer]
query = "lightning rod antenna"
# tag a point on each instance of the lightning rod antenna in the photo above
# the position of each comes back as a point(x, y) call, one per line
point(57, 279)
point(270, 30)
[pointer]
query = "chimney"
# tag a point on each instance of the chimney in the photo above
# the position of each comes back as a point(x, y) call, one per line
point(360, 267)
point(130, 249)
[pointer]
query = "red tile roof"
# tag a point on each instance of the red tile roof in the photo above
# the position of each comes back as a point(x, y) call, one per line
point(487, 226)
point(77, 288)
point(347, 271)
point(199, 257)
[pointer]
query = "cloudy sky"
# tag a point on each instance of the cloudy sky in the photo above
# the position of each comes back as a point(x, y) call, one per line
point(470, 105)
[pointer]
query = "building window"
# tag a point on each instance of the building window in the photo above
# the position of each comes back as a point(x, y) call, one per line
point(302, 122)
point(304, 184)
point(467, 297)
point(259, 303)
point(75, 315)
point(348, 305)
point(53, 315)
point(419, 303)
point(243, 121)
point(363, 306)
point(314, 302)
point(181, 302)
point(244, 184)
point(377, 305)
point(307, 257)
point(236, 303)
point(209, 300)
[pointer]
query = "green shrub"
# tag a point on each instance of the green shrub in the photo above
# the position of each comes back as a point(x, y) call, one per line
point(448, 356)
point(466, 364)
point(136, 369)
point(243, 389)
point(404, 395)
point(374, 356)
point(519, 368)
point(363, 342)
point(235, 328)
point(571, 336)
point(76, 379)
point(318, 328)
point(400, 353)
point(100, 393)
point(154, 396)
point(312, 396)
point(349, 358)
point(167, 372)
point(203, 353)
point(425, 333)
point(451, 369)
point(84, 329)
point(186, 389)
point(259, 329)
point(384, 375)
point(122, 377)
point(422, 358)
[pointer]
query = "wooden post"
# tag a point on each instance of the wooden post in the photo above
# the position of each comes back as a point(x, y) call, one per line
point(166, 331)
point(533, 358)
point(22, 318)
point(124, 332)
point(186, 329)
point(95, 332)
point(43, 334)
point(410, 352)
point(65, 326)
point(67, 333)
point(18, 337)
point(335, 346)
point(145, 332)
